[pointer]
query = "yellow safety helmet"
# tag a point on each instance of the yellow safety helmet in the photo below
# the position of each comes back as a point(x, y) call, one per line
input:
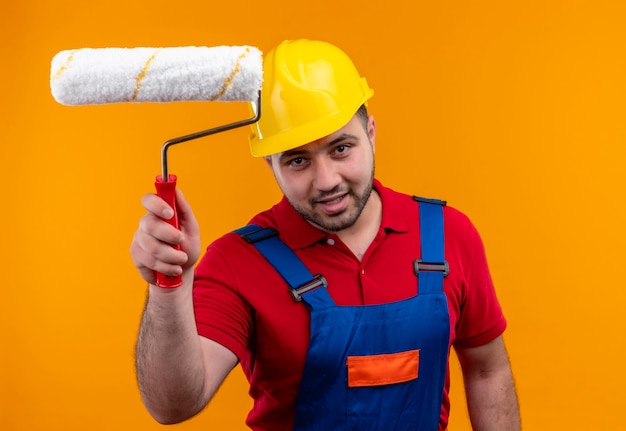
point(310, 90)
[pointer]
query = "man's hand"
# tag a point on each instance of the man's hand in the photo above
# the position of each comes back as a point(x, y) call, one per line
point(152, 248)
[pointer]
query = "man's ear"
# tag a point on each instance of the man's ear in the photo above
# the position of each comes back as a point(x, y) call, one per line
point(371, 130)
point(268, 160)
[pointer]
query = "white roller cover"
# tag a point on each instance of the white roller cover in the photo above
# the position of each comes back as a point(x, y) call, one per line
point(90, 76)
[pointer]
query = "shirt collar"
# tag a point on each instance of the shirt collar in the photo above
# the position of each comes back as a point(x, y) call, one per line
point(297, 233)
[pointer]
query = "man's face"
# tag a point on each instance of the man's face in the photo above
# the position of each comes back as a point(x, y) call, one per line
point(329, 181)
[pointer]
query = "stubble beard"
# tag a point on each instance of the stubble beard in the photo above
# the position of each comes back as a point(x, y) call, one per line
point(342, 220)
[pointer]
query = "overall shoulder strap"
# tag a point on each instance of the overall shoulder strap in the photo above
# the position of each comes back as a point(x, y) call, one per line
point(282, 258)
point(432, 267)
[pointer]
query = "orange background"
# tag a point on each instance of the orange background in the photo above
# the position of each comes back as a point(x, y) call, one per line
point(512, 111)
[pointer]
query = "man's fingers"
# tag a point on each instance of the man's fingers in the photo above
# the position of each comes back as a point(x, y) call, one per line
point(152, 226)
point(158, 246)
point(157, 206)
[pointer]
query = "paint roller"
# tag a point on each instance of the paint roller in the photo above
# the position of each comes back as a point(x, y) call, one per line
point(92, 76)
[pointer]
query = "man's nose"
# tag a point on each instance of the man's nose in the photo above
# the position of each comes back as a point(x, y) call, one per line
point(326, 175)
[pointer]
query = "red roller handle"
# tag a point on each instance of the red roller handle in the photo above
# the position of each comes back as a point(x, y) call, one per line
point(167, 191)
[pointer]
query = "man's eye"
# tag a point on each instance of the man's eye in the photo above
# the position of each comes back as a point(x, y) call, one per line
point(297, 161)
point(341, 149)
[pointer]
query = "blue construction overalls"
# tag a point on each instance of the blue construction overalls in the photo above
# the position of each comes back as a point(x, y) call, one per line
point(371, 367)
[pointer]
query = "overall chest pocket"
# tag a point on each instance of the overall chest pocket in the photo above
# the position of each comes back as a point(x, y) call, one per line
point(384, 369)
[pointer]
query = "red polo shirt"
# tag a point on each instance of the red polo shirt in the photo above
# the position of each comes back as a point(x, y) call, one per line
point(242, 303)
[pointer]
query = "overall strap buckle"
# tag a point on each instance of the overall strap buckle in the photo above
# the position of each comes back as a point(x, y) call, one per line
point(259, 234)
point(317, 281)
point(420, 265)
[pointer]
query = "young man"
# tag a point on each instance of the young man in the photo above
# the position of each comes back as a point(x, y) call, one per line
point(339, 302)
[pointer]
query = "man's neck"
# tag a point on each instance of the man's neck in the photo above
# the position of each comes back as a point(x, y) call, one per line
point(360, 235)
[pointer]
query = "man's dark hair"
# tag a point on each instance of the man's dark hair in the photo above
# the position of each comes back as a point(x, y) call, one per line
point(362, 114)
